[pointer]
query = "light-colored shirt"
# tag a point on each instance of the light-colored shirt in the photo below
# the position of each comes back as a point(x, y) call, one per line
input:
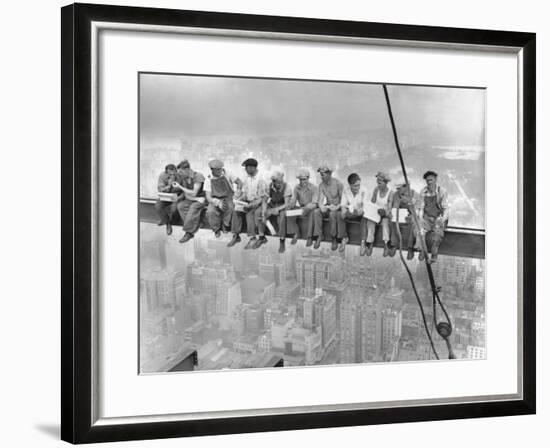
point(254, 187)
point(303, 195)
point(353, 202)
point(383, 202)
point(442, 199)
point(330, 193)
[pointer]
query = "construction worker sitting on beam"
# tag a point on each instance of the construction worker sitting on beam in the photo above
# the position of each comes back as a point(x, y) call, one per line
point(382, 197)
point(404, 201)
point(274, 209)
point(434, 215)
point(219, 189)
point(165, 208)
point(254, 193)
point(304, 197)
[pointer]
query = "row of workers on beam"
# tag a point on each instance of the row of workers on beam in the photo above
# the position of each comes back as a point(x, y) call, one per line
point(260, 202)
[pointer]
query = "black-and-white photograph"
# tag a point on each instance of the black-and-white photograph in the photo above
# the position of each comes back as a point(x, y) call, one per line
point(292, 223)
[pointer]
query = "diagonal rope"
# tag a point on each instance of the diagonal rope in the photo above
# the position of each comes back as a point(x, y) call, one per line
point(413, 284)
point(444, 329)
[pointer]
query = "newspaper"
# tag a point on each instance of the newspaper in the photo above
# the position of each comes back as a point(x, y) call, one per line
point(370, 211)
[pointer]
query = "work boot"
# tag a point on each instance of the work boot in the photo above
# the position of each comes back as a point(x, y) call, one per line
point(433, 258)
point(309, 242)
point(259, 242)
point(186, 237)
point(410, 254)
point(218, 233)
point(334, 244)
point(295, 239)
point(236, 239)
point(421, 255)
point(363, 250)
point(168, 229)
point(317, 244)
point(369, 249)
point(342, 247)
point(386, 250)
point(392, 250)
point(251, 243)
point(160, 223)
point(281, 246)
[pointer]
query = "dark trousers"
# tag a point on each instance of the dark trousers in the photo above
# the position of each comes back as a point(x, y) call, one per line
point(333, 217)
point(165, 210)
point(219, 219)
point(297, 223)
point(278, 220)
point(435, 232)
point(407, 235)
point(347, 218)
point(237, 221)
point(190, 213)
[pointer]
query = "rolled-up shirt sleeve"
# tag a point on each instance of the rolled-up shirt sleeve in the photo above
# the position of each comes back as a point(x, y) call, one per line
point(207, 186)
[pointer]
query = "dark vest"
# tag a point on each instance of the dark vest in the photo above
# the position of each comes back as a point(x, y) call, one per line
point(431, 206)
point(277, 196)
point(220, 187)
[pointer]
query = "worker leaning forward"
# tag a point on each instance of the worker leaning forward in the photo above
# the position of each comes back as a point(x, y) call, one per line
point(304, 198)
point(382, 199)
point(166, 209)
point(434, 214)
point(274, 210)
point(328, 200)
point(253, 194)
point(351, 211)
point(219, 190)
point(191, 200)
point(405, 200)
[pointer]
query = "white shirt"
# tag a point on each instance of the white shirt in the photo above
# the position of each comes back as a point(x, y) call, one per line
point(351, 201)
point(382, 202)
point(254, 187)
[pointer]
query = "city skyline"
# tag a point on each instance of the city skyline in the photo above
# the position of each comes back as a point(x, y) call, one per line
point(238, 308)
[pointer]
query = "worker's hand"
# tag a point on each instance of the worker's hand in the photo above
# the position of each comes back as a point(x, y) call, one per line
point(381, 212)
point(359, 211)
point(333, 208)
point(323, 208)
point(177, 185)
point(310, 206)
point(222, 205)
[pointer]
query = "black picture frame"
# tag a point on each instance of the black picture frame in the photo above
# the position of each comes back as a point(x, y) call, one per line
point(77, 425)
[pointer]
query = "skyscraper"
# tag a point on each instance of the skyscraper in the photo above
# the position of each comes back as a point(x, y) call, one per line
point(314, 271)
point(350, 329)
point(159, 289)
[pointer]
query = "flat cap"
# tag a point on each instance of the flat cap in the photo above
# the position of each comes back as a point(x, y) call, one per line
point(324, 169)
point(382, 175)
point(216, 163)
point(250, 162)
point(302, 173)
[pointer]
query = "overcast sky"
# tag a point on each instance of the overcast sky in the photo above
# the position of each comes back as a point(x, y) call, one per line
point(177, 106)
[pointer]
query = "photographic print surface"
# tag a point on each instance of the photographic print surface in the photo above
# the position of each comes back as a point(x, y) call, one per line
point(272, 214)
